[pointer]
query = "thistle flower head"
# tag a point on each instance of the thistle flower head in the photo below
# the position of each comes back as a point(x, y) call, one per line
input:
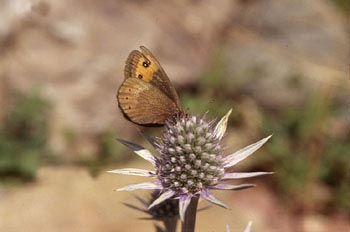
point(191, 157)
point(191, 161)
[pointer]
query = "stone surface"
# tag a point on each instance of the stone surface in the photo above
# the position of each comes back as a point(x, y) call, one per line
point(281, 51)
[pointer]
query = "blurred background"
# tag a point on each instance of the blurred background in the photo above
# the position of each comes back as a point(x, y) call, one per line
point(282, 65)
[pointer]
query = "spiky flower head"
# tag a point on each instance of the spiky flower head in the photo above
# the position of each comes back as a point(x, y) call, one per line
point(191, 156)
point(191, 161)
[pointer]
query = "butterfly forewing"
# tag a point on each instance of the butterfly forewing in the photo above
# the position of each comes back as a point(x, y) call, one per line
point(146, 95)
point(138, 66)
point(160, 78)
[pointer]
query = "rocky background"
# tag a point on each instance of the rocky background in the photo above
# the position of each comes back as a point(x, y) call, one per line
point(283, 66)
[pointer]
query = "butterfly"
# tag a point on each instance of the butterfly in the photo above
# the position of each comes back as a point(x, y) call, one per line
point(147, 97)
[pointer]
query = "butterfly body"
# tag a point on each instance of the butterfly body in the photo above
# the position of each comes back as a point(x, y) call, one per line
point(147, 97)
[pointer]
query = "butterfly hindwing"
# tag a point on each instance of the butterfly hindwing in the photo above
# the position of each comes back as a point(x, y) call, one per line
point(145, 104)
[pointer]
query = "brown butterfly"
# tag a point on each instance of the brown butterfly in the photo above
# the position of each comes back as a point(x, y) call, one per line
point(147, 97)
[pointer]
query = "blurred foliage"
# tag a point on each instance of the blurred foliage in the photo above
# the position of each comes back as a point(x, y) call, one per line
point(212, 94)
point(194, 103)
point(23, 136)
point(335, 172)
point(343, 4)
point(23, 141)
point(306, 158)
point(223, 83)
point(110, 152)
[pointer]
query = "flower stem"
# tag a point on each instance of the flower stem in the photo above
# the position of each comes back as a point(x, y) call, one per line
point(190, 217)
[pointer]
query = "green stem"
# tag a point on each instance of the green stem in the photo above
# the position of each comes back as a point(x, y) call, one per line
point(190, 216)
